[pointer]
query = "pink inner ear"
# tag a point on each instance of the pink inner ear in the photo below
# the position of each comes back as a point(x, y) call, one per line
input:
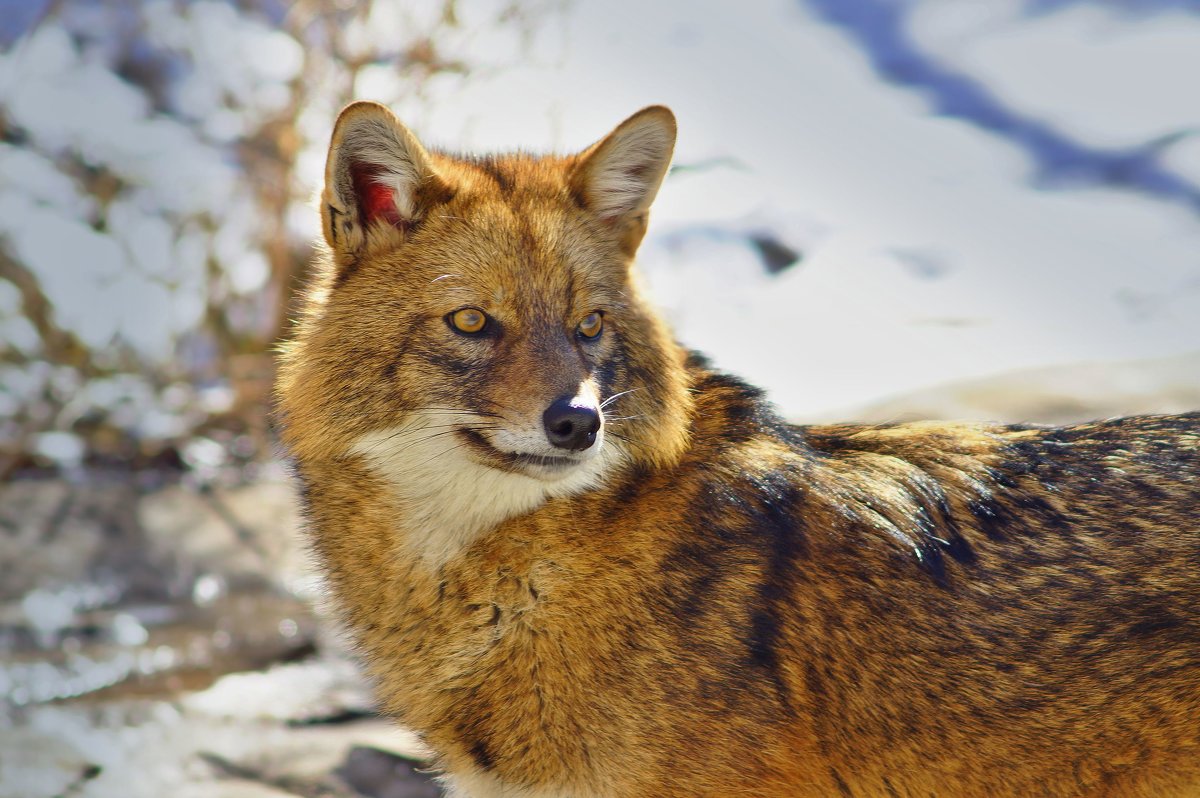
point(375, 200)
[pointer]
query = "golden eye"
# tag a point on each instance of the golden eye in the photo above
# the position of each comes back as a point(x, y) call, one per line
point(591, 325)
point(468, 320)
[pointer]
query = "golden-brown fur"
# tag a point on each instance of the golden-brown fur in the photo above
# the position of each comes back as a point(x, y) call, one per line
point(720, 604)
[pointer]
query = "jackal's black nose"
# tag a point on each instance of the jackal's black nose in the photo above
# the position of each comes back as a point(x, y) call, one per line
point(571, 426)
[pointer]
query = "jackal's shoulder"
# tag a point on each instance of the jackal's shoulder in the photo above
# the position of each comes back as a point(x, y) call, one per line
point(942, 495)
point(1109, 455)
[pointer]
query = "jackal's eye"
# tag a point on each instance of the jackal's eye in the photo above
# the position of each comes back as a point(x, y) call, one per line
point(469, 321)
point(592, 325)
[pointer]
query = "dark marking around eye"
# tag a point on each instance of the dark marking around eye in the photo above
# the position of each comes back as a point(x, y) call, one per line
point(448, 363)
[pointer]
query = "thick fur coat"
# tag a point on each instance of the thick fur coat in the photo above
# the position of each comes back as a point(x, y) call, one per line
point(696, 598)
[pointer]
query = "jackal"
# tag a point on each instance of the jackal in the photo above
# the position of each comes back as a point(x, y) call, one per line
point(581, 563)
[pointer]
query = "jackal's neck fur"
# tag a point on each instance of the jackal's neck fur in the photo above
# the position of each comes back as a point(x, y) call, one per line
point(583, 564)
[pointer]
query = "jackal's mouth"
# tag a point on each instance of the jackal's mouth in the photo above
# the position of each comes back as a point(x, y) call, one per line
point(545, 461)
point(519, 462)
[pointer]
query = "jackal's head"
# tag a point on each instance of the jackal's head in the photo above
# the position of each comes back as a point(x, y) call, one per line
point(477, 327)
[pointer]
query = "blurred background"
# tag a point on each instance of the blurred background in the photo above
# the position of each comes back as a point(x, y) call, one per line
point(879, 209)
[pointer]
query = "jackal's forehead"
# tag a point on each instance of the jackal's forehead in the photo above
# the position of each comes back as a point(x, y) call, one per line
point(536, 254)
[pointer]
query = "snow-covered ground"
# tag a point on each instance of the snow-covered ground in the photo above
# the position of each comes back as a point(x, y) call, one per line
point(974, 187)
point(944, 236)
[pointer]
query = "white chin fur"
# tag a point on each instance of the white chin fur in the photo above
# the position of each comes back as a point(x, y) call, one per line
point(448, 499)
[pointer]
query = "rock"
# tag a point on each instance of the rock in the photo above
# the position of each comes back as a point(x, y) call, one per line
point(380, 774)
point(33, 763)
point(296, 692)
point(50, 535)
point(186, 527)
point(266, 517)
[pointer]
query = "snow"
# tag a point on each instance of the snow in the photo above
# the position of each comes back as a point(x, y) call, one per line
point(1111, 79)
point(38, 179)
point(236, 60)
point(939, 257)
point(973, 188)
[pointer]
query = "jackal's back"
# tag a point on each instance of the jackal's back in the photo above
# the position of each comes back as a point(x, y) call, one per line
point(1009, 610)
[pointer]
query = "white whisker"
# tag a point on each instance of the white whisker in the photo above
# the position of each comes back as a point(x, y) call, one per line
point(617, 396)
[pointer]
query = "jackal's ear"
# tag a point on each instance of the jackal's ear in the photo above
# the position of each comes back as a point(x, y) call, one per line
point(618, 177)
point(379, 180)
